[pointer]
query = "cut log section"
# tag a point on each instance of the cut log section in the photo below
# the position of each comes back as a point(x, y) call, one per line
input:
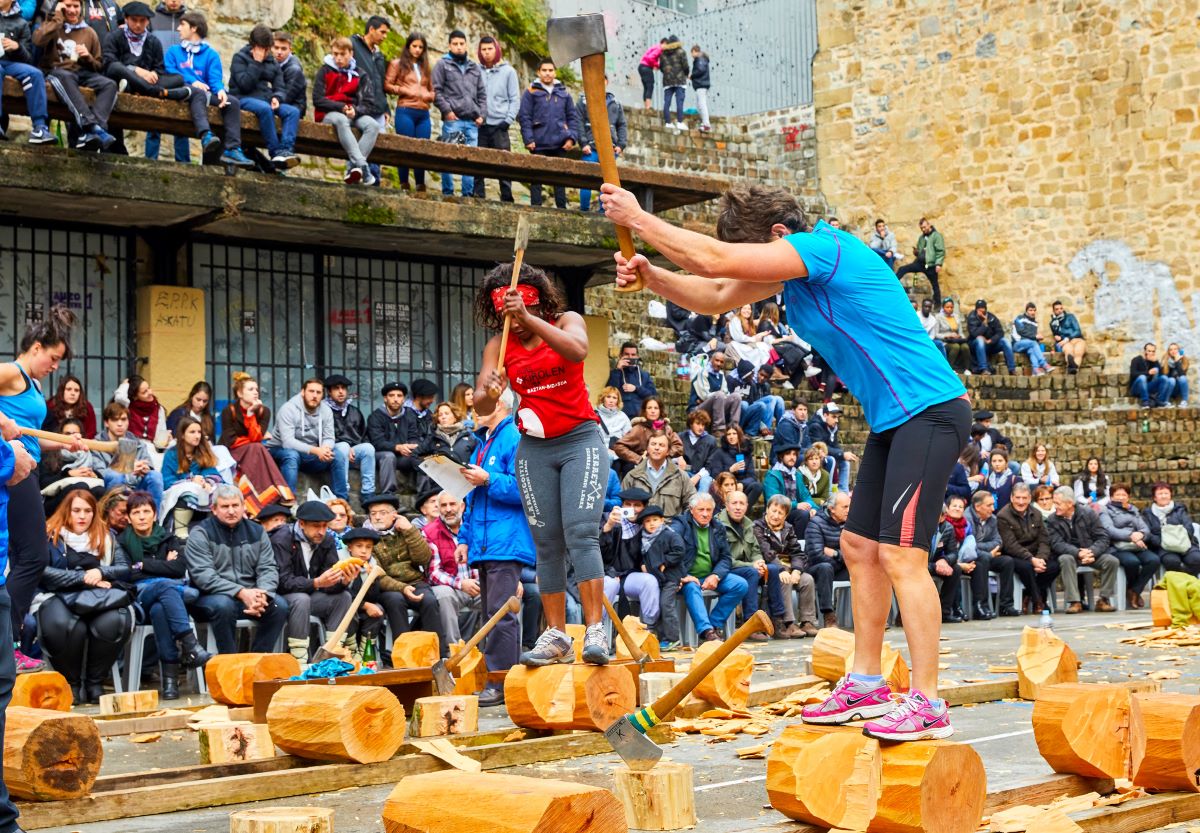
point(825, 775)
point(1166, 753)
point(282, 820)
point(576, 632)
point(1160, 609)
point(930, 787)
point(456, 714)
point(42, 690)
point(833, 658)
point(337, 723)
point(1043, 659)
point(654, 684)
point(415, 649)
point(500, 804)
point(130, 702)
point(222, 744)
point(231, 677)
point(589, 697)
point(471, 675)
point(50, 755)
point(1086, 729)
point(661, 798)
point(728, 686)
point(645, 638)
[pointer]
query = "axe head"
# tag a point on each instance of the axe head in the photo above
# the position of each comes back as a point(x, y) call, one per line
point(572, 38)
point(630, 742)
point(443, 680)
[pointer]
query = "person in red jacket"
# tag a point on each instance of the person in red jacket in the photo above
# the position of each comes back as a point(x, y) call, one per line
point(337, 94)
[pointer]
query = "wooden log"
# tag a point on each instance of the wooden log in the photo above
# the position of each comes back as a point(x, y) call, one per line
point(728, 686)
point(415, 649)
point(645, 638)
point(42, 690)
point(129, 702)
point(1043, 659)
point(576, 632)
point(1160, 609)
point(833, 658)
point(933, 786)
point(231, 677)
point(589, 697)
point(824, 775)
point(231, 742)
point(654, 684)
point(500, 804)
point(471, 675)
point(337, 723)
point(50, 755)
point(282, 820)
point(661, 798)
point(1166, 753)
point(456, 714)
point(1086, 729)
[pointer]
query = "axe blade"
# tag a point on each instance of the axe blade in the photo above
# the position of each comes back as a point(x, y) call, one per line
point(629, 741)
point(443, 680)
point(571, 38)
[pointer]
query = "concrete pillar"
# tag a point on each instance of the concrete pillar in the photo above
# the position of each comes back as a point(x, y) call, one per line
point(171, 338)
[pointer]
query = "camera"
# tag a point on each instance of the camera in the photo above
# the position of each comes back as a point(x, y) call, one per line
point(628, 513)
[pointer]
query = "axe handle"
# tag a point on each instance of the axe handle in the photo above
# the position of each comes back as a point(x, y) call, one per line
point(513, 605)
point(760, 621)
point(518, 259)
point(634, 651)
point(597, 105)
point(108, 447)
point(335, 638)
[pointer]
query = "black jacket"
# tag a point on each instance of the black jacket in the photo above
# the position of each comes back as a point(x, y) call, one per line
point(783, 546)
point(117, 51)
point(947, 546)
point(718, 546)
point(725, 456)
point(819, 432)
point(1177, 515)
point(65, 569)
point(1081, 531)
point(622, 556)
point(457, 446)
point(617, 126)
point(1140, 367)
point(293, 576)
point(165, 24)
point(372, 66)
point(822, 531)
point(294, 89)
point(701, 79)
point(698, 452)
point(249, 78)
point(1022, 536)
point(990, 327)
point(349, 425)
point(155, 564)
point(385, 431)
point(15, 27)
point(664, 557)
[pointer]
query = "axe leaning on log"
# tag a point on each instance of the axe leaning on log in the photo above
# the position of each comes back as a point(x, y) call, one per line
point(443, 669)
point(332, 649)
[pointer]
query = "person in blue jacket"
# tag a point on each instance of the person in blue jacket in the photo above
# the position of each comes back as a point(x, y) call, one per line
point(549, 124)
point(495, 536)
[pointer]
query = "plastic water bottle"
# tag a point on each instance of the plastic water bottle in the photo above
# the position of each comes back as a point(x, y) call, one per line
point(1045, 622)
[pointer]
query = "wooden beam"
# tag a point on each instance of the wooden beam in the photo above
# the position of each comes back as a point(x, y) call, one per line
point(1004, 688)
point(111, 727)
point(1140, 814)
point(1044, 790)
point(773, 691)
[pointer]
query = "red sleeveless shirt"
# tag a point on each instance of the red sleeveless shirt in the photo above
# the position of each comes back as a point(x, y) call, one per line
point(554, 396)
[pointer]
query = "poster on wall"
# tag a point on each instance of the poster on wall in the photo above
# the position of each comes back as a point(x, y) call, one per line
point(392, 336)
point(35, 313)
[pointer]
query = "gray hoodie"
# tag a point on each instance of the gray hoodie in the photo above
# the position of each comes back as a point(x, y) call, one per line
point(503, 93)
point(1121, 522)
point(459, 88)
point(299, 430)
point(101, 461)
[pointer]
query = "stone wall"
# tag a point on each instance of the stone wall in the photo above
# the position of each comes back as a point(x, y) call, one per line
point(1047, 141)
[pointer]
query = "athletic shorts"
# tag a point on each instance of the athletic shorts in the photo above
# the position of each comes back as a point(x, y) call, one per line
point(901, 484)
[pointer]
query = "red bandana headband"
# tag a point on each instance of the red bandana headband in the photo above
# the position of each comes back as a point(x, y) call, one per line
point(529, 295)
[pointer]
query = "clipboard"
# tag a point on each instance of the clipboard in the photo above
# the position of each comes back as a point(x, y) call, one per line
point(444, 470)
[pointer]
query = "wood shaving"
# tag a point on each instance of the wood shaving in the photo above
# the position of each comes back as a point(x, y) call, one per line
point(148, 737)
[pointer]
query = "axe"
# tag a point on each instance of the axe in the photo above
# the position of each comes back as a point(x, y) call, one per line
point(520, 244)
point(583, 37)
point(639, 656)
point(443, 669)
point(332, 649)
point(628, 735)
point(126, 445)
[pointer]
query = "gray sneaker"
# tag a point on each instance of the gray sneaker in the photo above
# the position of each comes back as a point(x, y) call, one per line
point(595, 645)
point(551, 647)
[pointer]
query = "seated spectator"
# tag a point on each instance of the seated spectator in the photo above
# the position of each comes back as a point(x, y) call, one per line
point(722, 486)
point(337, 98)
point(1038, 469)
point(1043, 501)
point(823, 427)
point(760, 408)
point(1068, 337)
point(749, 563)
point(133, 56)
point(735, 454)
point(991, 436)
point(548, 118)
point(392, 429)
point(785, 479)
point(231, 562)
point(943, 564)
point(612, 494)
point(618, 129)
point(779, 544)
point(200, 66)
point(822, 379)
point(1000, 478)
point(634, 384)
point(460, 94)
point(883, 243)
point(62, 468)
point(257, 81)
point(699, 334)
point(369, 621)
point(746, 342)
point(304, 440)
point(272, 516)
point(1077, 539)
point(978, 538)
point(426, 506)
point(1176, 367)
point(929, 321)
point(715, 392)
point(350, 430)
point(159, 574)
point(1171, 534)
point(409, 79)
point(816, 476)
point(791, 428)
point(68, 402)
point(135, 471)
point(987, 338)
point(960, 484)
point(1091, 486)
point(657, 474)
point(823, 552)
point(147, 416)
point(16, 59)
point(343, 519)
point(419, 411)
point(198, 406)
point(1129, 533)
point(80, 643)
point(1026, 340)
point(626, 574)
point(707, 566)
point(949, 333)
point(455, 585)
point(450, 437)
point(306, 555)
point(244, 424)
point(792, 351)
point(614, 422)
point(113, 507)
point(662, 557)
point(295, 85)
point(189, 476)
point(1148, 383)
point(463, 396)
point(631, 448)
point(698, 448)
point(73, 59)
point(1023, 539)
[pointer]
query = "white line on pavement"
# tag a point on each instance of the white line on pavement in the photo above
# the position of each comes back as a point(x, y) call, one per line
point(1000, 634)
point(974, 741)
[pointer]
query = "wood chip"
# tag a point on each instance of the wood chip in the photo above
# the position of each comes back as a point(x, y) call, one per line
point(1002, 669)
point(444, 750)
point(753, 752)
point(512, 736)
point(148, 737)
point(1165, 674)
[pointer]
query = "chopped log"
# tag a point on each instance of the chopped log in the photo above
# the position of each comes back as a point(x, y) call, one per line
point(222, 744)
point(129, 702)
point(833, 658)
point(456, 714)
point(500, 804)
point(1160, 609)
point(654, 684)
point(282, 820)
point(661, 798)
point(1086, 729)
point(50, 755)
point(825, 775)
point(728, 686)
point(471, 675)
point(576, 632)
point(1166, 753)
point(892, 666)
point(231, 677)
point(645, 638)
point(415, 649)
point(1043, 659)
point(934, 786)
point(581, 696)
point(42, 690)
point(337, 723)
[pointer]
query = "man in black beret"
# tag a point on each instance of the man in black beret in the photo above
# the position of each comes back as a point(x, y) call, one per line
point(272, 516)
point(427, 506)
point(350, 429)
point(134, 58)
point(621, 549)
point(393, 430)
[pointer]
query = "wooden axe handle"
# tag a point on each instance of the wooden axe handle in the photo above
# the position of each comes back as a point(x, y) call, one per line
point(512, 287)
point(634, 651)
point(108, 447)
point(335, 639)
point(513, 605)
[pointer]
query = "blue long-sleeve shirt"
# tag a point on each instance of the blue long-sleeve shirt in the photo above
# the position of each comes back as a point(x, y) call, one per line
point(8, 463)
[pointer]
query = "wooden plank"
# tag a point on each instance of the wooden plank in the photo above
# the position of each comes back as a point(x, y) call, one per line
point(1044, 790)
point(773, 691)
point(1141, 814)
point(125, 725)
point(1004, 688)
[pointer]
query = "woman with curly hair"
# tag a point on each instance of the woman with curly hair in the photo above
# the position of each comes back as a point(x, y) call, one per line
point(69, 402)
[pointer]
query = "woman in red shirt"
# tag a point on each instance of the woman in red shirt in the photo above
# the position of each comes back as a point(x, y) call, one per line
point(562, 461)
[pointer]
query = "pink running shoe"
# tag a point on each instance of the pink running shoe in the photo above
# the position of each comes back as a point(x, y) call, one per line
point(851, 700)
point(26, 665)
point(914, 719)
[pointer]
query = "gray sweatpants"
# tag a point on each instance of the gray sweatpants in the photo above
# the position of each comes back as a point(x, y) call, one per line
point(562, 482)
point(1106, 565)
point(356, 149)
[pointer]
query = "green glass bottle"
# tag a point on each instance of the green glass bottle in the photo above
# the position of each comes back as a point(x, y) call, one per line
point(368, 654)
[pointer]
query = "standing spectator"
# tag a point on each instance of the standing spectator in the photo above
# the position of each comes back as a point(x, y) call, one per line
point(1127, 529)
point(823, 427)
point(455, 585)
point(1068, 337)
point(304, 440)
point(699, 446)
point(165, 27)
point(708, 565)
point(987, 339)
point(930, 322)
point(883, 243)
point(549, 124)
point(257, 81)
point(1023, 539)
point(16, 59)
point(1171, 535)
point(294, 90)
point(244, 424)
point(372, 67)
point(701, 82)
point(662, 556)
point(73, 58)
point(791, 428)
point(1091, 486)
point(929, 256)
point(628, 377)
point(949, 333)
point(715, 392)
point(337, 96)
point(68, 402)
point(943, 564)
point(503, 103)
point(614, 422)
point(350, 430)
point(823, 552)
point(618, 130)
point(15, 465)
point(632, 447)
point(460, 94)
point(135, 57)
point(735, 454)
point(1077, 539)
point(673, 64)
point(980, 553)
point(1025, 339)
point(1039, 469)
point(1147, 381)
point(780, 545)
point(1000, 478)
point(104, 16)
point(1176, 367)
point(410, 80)
point(657, 474)
point(749, 563)
point(646, 67)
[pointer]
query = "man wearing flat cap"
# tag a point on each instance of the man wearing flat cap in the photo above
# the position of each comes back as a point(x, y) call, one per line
point(133, 55)
point(393, 430)
point(350, 430)
point(272, 516)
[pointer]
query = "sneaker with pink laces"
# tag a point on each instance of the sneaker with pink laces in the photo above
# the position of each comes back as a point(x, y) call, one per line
point(26, 665)
point(851, 700)
point(914, 719)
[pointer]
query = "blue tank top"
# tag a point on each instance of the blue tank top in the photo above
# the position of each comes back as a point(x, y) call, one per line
point(28, 410)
